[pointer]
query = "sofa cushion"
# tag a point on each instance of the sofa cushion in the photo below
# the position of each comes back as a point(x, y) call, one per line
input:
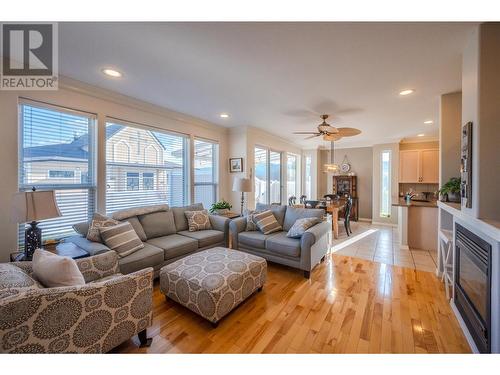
point(181, 222)
point(137, 211)
point(267, 223)
point(158, 224)
point(279, 243)
point(198, 220)
point(294, 213)
point(175, 245)
point(14, 280)
point(53, 270)
point(136, 224)
point(97, 222)
point(205, 237)
point(121, 238)
point(301, 225)
point(148, 256)
point(81, 228)
point(277, 210)
point(253, 239)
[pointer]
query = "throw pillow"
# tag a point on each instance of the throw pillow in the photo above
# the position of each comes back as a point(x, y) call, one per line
point(99, 221)
point(53, 270)
point(251, 226)
point(198, 220)
point(121, 238)
point(301, 225)
point(267, 223)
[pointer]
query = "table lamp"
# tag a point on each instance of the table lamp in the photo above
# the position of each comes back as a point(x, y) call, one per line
point(243, 185)
point(31, 207)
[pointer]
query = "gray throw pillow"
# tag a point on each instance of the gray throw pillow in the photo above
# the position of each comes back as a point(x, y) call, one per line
point(121, 238)
point(251, 225)
point(267, 223)
point(301, 225)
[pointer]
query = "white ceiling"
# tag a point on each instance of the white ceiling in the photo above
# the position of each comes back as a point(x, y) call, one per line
point(278, 76)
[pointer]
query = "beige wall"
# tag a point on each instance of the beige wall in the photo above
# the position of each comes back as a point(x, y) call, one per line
point(480, 98)
point(450, 122)
point(103, 103)
point(361, 160)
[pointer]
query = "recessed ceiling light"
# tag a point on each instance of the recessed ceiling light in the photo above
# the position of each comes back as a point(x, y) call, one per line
point(428, 122)
point(406, 92)
point(112, 73)
point(420, 135)
point(224, 115)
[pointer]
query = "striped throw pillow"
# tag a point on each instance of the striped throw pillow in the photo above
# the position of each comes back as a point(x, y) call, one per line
point(121, 238)
point(266, 222)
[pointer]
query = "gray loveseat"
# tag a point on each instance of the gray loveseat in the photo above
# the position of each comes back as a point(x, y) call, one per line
point(303, 253)
point(164, 232)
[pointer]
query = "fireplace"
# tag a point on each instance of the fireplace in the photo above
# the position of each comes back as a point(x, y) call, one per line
point(473, 285)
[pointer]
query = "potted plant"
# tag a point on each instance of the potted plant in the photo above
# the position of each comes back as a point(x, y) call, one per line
point(221, 207)
point(451, 190)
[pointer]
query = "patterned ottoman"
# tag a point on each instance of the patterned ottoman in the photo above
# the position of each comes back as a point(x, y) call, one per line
point(213, 282)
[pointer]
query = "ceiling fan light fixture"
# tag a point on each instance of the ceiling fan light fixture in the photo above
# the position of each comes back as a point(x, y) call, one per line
point(332, 168)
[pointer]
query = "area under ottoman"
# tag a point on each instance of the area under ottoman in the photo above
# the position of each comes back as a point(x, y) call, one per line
point(213, 282)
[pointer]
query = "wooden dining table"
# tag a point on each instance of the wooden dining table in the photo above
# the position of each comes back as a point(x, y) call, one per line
point(333, 208)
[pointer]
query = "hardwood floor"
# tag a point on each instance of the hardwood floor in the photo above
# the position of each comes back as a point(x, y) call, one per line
point(349, 305)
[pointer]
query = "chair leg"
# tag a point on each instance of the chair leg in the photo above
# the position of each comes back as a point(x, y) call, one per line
point(144, 340)
point(346, 226)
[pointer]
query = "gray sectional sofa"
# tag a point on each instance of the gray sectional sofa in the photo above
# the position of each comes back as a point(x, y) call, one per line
point(164, 232)
point(303, 253)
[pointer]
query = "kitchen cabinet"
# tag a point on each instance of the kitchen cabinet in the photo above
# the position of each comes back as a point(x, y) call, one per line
point(419, 166)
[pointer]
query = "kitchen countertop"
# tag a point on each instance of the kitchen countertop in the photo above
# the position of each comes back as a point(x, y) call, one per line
point(401, 202)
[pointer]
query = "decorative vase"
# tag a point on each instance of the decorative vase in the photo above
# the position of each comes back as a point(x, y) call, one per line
point(222, 211)
point(454, 197)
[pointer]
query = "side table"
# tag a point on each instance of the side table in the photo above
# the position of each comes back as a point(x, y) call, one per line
point(65, 249)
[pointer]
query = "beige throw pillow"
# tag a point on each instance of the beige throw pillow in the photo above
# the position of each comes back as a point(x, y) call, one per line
point(198, 220)
point(99, 221)
point(121, 238)
point(266, 222)
point(53, 270)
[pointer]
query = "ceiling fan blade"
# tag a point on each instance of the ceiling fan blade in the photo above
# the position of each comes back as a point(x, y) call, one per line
point(349, 132)
point(332, 137)
point(312, 136)
point(305, 133)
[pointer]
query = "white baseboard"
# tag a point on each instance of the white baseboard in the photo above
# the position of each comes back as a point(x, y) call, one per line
point(385, 224)
point(365, 219)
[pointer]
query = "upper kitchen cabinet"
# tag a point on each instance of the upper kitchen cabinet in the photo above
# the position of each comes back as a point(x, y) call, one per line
point(419, 166)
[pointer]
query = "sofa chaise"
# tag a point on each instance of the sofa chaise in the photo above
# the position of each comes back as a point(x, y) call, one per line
point(302, 253)
point(164, 232)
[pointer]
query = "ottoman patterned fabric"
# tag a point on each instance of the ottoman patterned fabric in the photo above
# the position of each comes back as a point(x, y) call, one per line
point(213, 282)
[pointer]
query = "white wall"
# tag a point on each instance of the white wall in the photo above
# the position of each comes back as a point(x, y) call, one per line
point(79, 96)
point(377, 149)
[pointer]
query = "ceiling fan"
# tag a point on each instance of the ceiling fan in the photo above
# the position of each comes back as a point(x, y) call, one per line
point(329, 132)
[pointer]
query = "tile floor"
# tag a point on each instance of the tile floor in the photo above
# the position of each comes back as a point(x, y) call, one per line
point(380, 244)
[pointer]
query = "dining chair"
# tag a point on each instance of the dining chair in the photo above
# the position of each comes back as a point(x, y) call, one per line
point(347, 216)
point(292, 200)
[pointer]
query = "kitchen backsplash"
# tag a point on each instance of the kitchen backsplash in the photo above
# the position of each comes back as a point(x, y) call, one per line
point(419, 189)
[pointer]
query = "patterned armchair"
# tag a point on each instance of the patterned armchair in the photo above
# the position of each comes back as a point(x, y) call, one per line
point(93, 318)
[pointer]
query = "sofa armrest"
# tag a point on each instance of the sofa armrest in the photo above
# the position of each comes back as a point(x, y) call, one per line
point(93, 248)
point(236, 226)
point(314, 245)
point(220, 223)
point(92, 318)
point(98, 266)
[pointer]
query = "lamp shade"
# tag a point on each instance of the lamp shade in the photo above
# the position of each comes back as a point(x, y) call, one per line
point(34, 206)
point(242, 184)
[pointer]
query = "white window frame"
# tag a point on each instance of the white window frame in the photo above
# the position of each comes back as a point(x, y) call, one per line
point(381, 213)
point(215, 169)
point(268, 172)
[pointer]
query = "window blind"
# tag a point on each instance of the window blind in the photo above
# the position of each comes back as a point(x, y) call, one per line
point(56, 152)
point(205, 172)
point(144, 167)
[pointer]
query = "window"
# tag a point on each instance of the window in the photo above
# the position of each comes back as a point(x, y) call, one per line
point(132, 180)
point(56, 151)
point(144, 167)
point(292, 173)
point(308, 176)
point(205, 172)
point(148, 181)
point(385, 183)
point(267, 176)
